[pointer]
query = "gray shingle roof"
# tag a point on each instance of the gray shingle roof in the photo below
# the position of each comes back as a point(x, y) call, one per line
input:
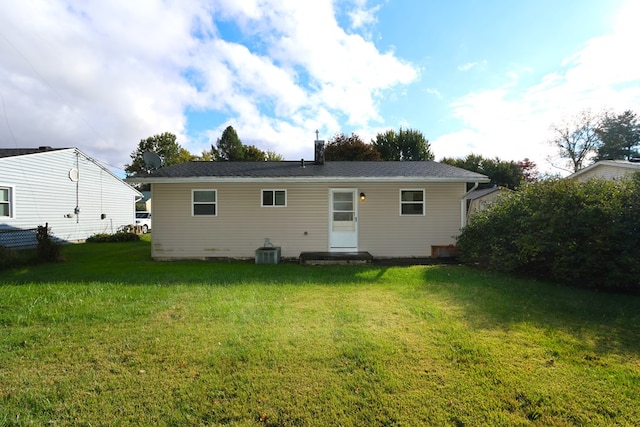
point(418, 170)
point(13, 152)
point(483, 192)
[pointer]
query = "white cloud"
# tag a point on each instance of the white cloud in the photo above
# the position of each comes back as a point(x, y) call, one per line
point(513, 124)
point(362, 17)
point(102, 75)
point(471, 65)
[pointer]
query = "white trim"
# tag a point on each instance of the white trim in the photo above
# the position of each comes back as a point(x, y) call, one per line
point(274, 205)
point(11, 202)
point(356, 233)
point(424, 207)
point(215, 203)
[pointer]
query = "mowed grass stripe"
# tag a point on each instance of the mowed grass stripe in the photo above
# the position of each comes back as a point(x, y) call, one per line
point(203, 343)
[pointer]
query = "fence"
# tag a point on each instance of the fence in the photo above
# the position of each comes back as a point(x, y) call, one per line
point(18, 238)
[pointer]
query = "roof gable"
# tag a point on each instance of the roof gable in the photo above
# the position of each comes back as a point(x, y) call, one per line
point(14, 152)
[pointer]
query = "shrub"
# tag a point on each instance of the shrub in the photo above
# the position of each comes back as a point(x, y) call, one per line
point(585, 234)
point(9, 258)
point(48, 249)
point(120, 236)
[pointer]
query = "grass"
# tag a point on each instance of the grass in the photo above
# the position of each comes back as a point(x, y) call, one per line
point(110, 337)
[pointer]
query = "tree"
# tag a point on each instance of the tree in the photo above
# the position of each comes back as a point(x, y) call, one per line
point(529, 170)
point(207, 155)
point(229, 147)
point(406, 144)
point(577, 138)
point(164, 145)
point(503, 173)
point(619, 136)
point(185, 156)
point(272, 156)
point(342, 147)
point(254, 154)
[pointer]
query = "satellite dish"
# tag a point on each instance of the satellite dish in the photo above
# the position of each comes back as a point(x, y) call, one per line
point(74, 175)
point(152, 160)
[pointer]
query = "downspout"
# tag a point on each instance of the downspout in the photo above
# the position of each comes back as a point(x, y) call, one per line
point(77, 209)
point(463, 205)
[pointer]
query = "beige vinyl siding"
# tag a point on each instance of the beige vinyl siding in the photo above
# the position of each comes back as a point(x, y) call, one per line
point(608, 172)
point(386, 233)
point(241, 224)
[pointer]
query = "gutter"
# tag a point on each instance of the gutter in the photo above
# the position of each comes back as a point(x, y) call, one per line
point(341, 179)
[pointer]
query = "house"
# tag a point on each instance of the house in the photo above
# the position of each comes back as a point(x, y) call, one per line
point(606, 169)
point(478, 200)
point(144, 204)
point(229, 209)
point(61, 187)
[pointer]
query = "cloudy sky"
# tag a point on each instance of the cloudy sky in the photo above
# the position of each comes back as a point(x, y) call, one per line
point(474, 76)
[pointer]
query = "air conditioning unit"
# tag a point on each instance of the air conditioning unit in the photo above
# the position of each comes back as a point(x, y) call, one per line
point(268, 255)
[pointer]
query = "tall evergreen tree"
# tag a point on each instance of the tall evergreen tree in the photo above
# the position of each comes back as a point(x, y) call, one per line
point(619, 136)
point(229, 147)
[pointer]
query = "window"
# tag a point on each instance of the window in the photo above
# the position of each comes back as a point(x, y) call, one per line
point(6, 206)
point(205, 202)
point(411, 202)
point(274, 198)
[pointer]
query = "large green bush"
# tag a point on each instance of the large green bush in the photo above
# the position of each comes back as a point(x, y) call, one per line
point(585, 234)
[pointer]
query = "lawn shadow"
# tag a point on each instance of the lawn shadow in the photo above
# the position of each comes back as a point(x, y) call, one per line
point(604, 322)
point(130, 263)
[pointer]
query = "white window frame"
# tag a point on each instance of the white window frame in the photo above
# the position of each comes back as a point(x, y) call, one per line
point(273, 190)
point(10, 202)
point(193, 202)
point(402, 202)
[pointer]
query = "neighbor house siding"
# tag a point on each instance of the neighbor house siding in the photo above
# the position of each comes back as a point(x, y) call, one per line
point(241, 224)
point(44, 193)
point(608, 172)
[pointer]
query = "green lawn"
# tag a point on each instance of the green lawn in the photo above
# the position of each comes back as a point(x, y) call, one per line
point(110, 337)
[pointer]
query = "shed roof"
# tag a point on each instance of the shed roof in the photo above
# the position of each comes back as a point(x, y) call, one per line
point(294, 171)
point(476, 194)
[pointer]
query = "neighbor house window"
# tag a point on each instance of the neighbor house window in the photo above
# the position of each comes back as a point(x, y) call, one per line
point(274, 198)
point(205, 202)
point(411, 202)
point(6, 203)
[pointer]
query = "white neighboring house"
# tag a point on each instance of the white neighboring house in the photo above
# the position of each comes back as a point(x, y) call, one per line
point(607, 169)
point(61, 187)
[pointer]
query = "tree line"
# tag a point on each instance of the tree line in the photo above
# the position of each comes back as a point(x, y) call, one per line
point(584, 138)
point(389, 145)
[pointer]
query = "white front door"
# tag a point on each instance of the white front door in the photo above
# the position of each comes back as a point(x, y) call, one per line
point(343, 220)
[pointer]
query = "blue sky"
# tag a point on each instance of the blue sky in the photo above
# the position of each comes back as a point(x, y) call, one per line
point(484, 77)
